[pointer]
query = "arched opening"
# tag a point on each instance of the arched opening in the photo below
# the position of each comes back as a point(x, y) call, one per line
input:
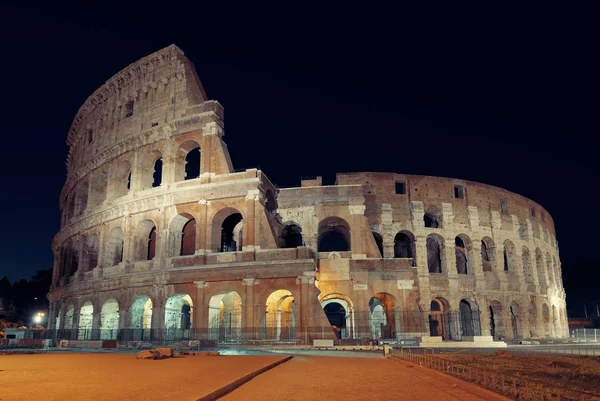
point(145, 241)
point(539, 266)
point(187, 161)
point(178, 316)
point(80, 198)
point(383, 316)
point(141, 318)
point(487, 254)
point(92, 252)
point(497, 326)
point(86, 314)
point(334, 235)
point(150, 168)
point(378, 242)
point(280, 316)
point(109, 320)
point(510, 261)
point(546, 321)
point(404, 245)
point(157, 175)
point(462, 244)
point(439, 319)
point(74, 259)
point(337, 317)
point(291, 236)
point(514, 320)
point(340, 315)
point(68, 324)
point(114, 248)
point(182, 235)
point(434, 244)
point(527, 268)
point(225, 317)
point(121, 180)
point(432, 220)
point(532, 312)
point(469, 318)
point(98, 188)
point(549, 269)
point(231, 233)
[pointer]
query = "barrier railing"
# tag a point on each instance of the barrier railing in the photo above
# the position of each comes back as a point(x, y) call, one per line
point(516, 387)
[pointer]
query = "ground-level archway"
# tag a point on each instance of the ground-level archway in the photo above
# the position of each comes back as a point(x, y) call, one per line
point(178, 315)
point(86, 314)
point(141, 318)
point(225, 317)
point(109, 320)
point(280, 316)
point(383, 316)
point(497, 324)
point(340, 314)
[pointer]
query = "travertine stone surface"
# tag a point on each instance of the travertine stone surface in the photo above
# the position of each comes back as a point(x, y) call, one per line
point(133, 254)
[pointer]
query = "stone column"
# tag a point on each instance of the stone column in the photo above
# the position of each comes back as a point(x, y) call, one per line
point(249, 228)
point(201, 310)
point(357, 234)
point(307, 314)
point(250, 326)
point(202, 228)
point(124, 318)
point(386, 230)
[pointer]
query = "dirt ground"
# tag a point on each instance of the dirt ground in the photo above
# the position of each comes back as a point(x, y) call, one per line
point(570, 372)
point(315, 378)
point(100, 377)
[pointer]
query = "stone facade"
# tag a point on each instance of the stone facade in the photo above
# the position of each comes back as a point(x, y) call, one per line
point(147, 242)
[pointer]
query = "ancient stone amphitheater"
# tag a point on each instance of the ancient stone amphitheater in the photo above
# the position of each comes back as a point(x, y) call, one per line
point(162, 239)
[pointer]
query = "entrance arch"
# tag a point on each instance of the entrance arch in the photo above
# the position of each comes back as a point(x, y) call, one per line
point(497, 325)
point(280, 317)
point(86, 314)
point(438, 319)
point(178, 315)
point(69, 317)
point(225, 317)
point(340, 314)
point(469, 318)
point(383, 317)
point(141, 317)
point(109, 319)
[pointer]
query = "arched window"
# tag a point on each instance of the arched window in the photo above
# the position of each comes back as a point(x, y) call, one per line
point(231, 233)
point(157, 175)
point(460, 252)
point(510, 263)
point(334, 235)
point(487, 254)
point(121, 179)
point(434, 253)
point(291, 236)
point(145, 241)
point(182, 235)
point(92, 252)
point(187, 161)
point(379, 242)
point(432, 220)
point(114, 249)
point(404, 245)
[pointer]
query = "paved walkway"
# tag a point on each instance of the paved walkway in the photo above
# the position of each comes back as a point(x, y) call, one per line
point(308, 378)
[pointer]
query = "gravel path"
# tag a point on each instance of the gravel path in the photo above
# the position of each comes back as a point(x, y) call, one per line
point(103, 377)
point(308, 378)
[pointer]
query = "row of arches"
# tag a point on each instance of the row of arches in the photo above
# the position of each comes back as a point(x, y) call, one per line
point(116, 180)
point(464, 250)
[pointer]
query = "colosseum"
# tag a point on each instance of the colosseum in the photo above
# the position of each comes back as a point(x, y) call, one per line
point(162, 239)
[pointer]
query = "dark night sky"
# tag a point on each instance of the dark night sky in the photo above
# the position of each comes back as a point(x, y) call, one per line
point(507, 97)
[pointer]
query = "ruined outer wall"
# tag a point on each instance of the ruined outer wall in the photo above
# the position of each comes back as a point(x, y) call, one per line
point(170, 115)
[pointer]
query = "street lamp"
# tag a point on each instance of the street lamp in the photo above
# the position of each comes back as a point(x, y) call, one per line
point(37, 319)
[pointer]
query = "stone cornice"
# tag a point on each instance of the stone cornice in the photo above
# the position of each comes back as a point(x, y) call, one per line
point(168, 55)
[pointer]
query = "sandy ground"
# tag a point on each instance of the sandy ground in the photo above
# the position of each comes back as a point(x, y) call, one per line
point(100, 377)
point(308, 378)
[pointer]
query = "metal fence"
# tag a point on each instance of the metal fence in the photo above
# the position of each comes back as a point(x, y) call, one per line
point(516, 387)
point(585, 335)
